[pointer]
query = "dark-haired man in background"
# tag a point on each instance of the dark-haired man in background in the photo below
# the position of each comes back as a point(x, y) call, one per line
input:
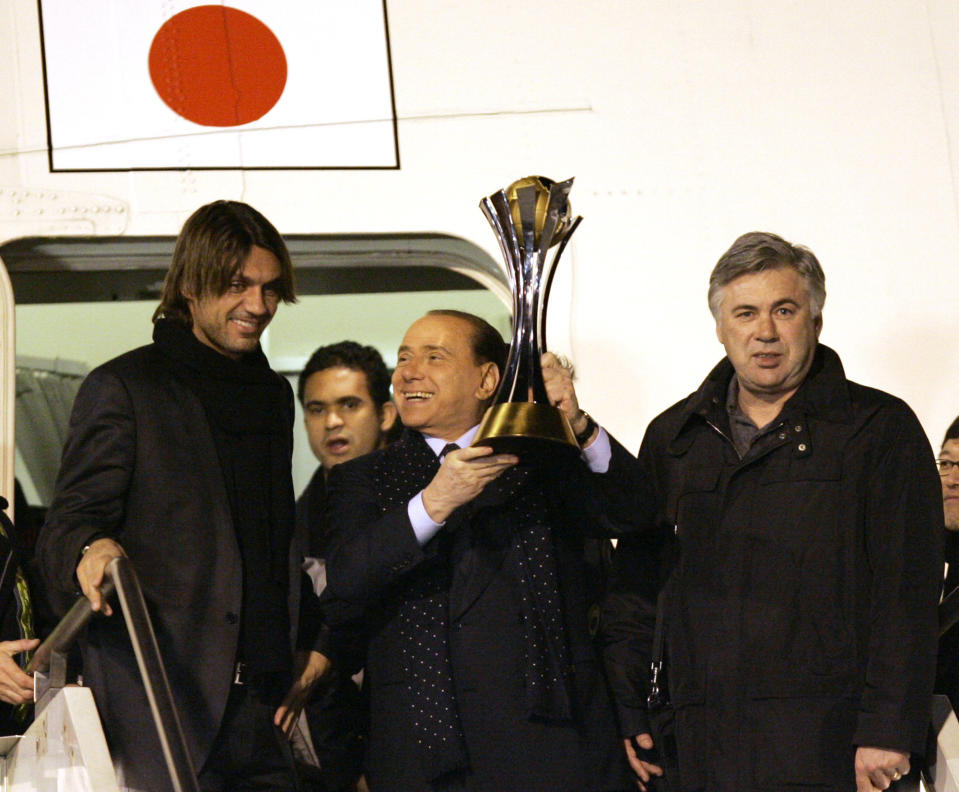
point(471, 570)
point(948, 462)
point(179, 456)
point(344, 390)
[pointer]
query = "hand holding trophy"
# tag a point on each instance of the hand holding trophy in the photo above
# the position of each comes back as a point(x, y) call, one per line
point(529, 217)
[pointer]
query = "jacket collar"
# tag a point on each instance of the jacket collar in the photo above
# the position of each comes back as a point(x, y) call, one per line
point(823, 394)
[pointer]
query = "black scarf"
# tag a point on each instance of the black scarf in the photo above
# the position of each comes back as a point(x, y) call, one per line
point(250, 413)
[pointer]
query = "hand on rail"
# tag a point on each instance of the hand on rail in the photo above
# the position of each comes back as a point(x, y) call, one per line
point(16, 687)
point(90, 571)
point(310, 668)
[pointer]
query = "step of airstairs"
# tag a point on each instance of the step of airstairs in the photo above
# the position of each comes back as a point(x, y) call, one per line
point(63, 750)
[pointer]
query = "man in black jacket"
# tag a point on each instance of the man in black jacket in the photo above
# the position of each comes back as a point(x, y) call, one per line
point(947, 672)
point(803, 515)
point(344, 389)
point(179, 457)
point(472, 574)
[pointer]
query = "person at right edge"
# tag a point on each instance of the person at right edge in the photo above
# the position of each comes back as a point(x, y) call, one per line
point(947, 672)
point(803, 516)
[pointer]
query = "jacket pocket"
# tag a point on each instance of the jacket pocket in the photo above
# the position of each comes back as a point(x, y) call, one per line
point(695, 480)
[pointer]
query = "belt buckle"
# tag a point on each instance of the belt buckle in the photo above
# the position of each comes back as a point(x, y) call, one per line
point(241, 674)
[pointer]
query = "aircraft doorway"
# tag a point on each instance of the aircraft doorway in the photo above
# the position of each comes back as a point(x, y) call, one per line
point(82, 301)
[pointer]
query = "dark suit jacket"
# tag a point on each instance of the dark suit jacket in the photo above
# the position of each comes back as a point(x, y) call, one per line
point(336, 710)
point(140, 466)
point(947, 668)
point(373, 557)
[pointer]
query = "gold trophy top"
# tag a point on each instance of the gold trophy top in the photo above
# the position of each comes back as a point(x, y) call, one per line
point(541, 184)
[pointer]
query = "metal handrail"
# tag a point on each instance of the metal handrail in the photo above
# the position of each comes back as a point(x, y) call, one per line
point(121, 577)
point(68, 628)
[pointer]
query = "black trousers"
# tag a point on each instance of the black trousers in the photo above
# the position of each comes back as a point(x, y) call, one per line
point(250, 753)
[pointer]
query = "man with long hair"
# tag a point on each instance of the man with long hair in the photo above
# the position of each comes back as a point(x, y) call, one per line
point(179, 457)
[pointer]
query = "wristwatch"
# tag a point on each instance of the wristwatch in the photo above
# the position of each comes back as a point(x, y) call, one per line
point(583, 436)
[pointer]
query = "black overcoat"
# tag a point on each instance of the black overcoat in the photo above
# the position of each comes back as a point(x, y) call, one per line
point(140, 466)
point(801, 614)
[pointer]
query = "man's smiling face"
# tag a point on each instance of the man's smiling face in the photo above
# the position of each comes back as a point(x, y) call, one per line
point(439, 387)
point(232, 322)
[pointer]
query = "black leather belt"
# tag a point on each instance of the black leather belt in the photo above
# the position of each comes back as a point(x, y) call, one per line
point(244, 675)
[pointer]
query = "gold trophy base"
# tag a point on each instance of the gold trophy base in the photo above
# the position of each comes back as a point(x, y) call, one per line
point(523, 428)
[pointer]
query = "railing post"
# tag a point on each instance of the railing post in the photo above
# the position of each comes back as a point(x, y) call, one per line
point(52, 654)
point(176, 752)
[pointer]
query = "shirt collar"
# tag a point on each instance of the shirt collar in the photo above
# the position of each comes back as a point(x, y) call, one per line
point(732, 404)
point(463, 441)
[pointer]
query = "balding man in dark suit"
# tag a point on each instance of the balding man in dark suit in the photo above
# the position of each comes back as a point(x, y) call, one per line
point(470, 566)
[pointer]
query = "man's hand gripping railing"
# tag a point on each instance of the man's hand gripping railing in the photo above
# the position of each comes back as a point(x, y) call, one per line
point(51, 657)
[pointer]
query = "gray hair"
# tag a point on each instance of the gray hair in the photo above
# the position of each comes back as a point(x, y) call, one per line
point(758, 251)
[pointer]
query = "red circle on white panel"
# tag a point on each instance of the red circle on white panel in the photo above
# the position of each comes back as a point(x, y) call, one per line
point(217, 66)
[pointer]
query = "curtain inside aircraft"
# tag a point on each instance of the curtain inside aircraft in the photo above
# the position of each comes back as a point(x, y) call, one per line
point(45, 394)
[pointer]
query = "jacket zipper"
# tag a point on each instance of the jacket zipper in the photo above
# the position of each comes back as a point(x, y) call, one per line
point(723, 435)
point(726, 437)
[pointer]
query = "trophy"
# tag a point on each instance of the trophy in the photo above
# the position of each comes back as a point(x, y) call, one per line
point(529, 217)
